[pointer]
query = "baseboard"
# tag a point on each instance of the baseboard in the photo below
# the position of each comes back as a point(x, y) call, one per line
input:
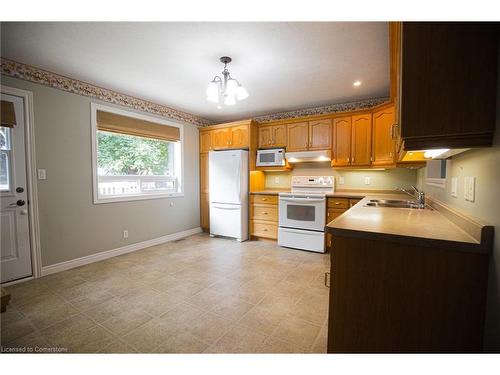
point(63, 266)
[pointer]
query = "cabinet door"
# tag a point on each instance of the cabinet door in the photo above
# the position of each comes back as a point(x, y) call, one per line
point(204, 212)
point(221, 138)
point(265, 136)
point(205, 141)
point(320, 135)
point(239, 137)
point(341, 141)
point(383, 144)
point(297, 136)
point(279, 135)
point(204, 173)
point(361, 150)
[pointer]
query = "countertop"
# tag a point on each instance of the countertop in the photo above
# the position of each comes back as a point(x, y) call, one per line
point(337, 194)
point(427, 227)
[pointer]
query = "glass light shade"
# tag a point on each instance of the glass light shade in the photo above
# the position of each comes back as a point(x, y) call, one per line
point(241, 93)
point(229, 100)
point(435, 153)
point(231, 87)
point(213, 92)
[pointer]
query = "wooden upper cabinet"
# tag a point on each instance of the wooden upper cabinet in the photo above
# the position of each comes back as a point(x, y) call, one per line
point(265, 136)
point(279, 135)
point(205, 141)
point(239, 137)
point(449, 84)
point(221, 137)
point(361, 147)
point(204, 173)
point(383, 144)
point(342, 132)
point(297, 136)
point(320, 135)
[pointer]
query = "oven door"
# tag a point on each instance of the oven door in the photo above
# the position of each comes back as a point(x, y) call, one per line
point(302, 213)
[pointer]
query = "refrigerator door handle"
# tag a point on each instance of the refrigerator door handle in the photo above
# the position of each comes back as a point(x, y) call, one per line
point(236, 207)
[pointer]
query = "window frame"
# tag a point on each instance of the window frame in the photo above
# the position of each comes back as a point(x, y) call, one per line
point(95, 178)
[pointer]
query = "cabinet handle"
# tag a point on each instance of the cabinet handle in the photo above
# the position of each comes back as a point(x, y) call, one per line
point(352, 161)
point(327, 284)
point(337, 203)
point(265, 213)
point(265, 230)
point(348, 160)
point(264, 199)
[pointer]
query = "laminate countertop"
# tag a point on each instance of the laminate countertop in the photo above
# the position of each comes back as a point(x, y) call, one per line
point(423, 227)
point(337, 194)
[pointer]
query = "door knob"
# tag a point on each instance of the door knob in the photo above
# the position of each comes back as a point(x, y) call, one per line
point(20, 203)
point(19, 190)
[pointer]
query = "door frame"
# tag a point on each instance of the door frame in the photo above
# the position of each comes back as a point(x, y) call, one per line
point(31, 179)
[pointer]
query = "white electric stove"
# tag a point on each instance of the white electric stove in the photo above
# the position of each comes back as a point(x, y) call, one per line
point(302, 213)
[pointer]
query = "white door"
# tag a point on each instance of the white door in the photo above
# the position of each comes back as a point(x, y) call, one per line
point(15, 242)
point(225, 171)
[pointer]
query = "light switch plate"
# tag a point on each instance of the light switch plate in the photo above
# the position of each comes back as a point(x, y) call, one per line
point(454, 186)
point(276, 180)
point(42, 174)
point(341, 180)
point(472, 188)
point(367, 180)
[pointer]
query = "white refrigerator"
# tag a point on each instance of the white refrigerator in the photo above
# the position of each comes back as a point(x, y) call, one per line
point(228, 186)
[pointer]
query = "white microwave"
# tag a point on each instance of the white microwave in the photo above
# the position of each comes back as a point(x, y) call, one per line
point(273, 157)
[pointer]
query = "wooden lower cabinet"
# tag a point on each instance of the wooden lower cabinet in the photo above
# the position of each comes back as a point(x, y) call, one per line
point(335, 208)
point(204, 212)
point(264, 216)
point(391, 297)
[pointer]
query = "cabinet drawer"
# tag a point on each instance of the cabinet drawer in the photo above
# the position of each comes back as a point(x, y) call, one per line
point(266, 199)
point(338, 202)
point(264, 229)
point(265, 212)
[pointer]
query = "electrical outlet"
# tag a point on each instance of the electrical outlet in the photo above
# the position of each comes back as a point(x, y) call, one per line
point(367, 180)
point(454, 186)
point(42, 174)
point(125, 233)
point(341, 180)
point(276, 180)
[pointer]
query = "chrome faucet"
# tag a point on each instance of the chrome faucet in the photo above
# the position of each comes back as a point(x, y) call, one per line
point(417, 194)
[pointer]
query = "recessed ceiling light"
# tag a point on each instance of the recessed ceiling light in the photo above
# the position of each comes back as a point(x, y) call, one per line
point(356, 83)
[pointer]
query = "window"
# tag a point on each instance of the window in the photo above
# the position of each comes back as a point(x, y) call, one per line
point(5, 158)
point(436, 173)
point(135, 156)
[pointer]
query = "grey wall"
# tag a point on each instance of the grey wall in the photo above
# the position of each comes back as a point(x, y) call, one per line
point(71, 225)
point(484, 164)
point(379, 179)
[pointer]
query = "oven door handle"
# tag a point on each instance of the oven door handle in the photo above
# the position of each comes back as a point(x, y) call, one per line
point(299, 200)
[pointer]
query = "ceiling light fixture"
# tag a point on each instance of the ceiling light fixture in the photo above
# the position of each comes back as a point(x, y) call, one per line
point(356, 83)
point(226, 90)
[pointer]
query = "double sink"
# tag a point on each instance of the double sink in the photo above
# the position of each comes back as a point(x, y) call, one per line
point(393, 203)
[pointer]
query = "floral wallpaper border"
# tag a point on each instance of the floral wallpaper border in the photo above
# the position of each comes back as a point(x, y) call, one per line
point(324, 110)
point(36, 75)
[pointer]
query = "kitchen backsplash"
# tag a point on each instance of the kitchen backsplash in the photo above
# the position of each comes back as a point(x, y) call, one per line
point(379, 179)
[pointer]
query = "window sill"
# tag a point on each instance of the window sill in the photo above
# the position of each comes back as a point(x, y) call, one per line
point(137, 198)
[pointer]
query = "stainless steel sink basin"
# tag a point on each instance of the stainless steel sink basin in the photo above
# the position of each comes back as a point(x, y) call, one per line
point(393, 203)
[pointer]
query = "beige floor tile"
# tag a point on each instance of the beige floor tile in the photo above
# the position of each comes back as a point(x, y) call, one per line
point(150, 335)
point(44, 318)
point(118, 347)
point(181, 343)
point(106, 310)
point(262, 319)
point(206, 299)
point(312, 308)
point(321, 342)
point(42, 301)
point(231, 309)
point(16, 329)
point(274, 345)
point(209, 327)
point(297, 331)
point(126, 320)
point(152, 301)
point(239, 339)
point(91, 300)
point(78, 334)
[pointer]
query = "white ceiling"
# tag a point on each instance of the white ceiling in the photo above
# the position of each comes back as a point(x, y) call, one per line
point(284, 66)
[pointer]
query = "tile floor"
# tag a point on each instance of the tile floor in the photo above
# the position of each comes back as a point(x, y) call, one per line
point(196, 295)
